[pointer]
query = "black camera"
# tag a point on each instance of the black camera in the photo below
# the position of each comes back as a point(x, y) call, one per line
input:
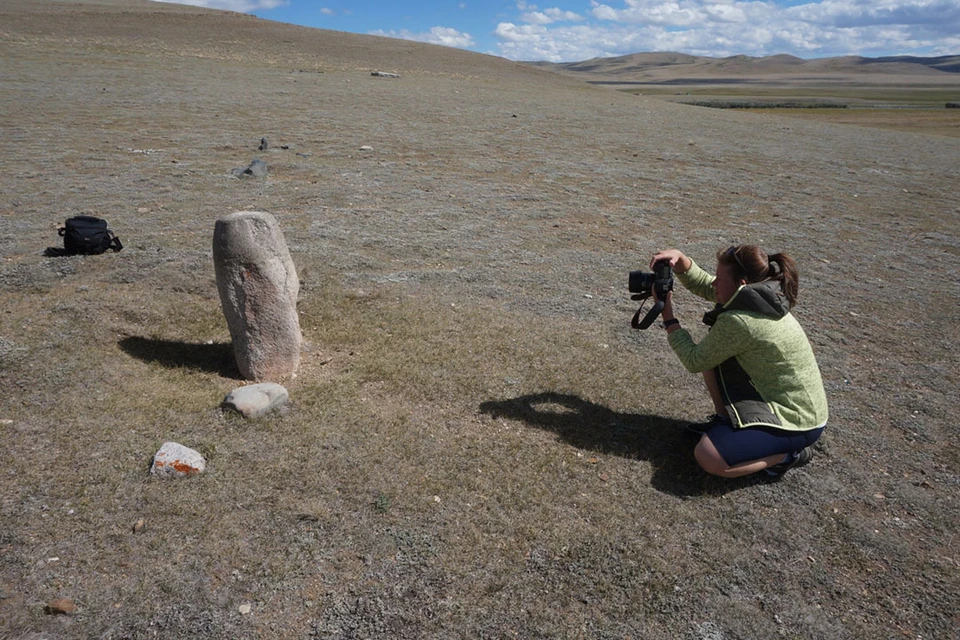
point(642, 285)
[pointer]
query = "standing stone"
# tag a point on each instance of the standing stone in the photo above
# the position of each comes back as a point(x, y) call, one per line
point(258, 288)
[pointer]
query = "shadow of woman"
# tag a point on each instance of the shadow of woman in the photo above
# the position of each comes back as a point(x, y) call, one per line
point(212, 358)
point(663, 442)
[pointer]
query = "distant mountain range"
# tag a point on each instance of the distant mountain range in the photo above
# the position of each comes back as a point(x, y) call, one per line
point(672, 68)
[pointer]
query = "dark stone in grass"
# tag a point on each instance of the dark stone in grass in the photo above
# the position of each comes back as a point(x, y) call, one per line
point(256, 169)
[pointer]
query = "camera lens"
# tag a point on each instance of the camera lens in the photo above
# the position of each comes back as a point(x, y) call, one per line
point(640, 282)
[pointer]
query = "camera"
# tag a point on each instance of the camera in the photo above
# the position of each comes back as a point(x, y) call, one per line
point(642, 285)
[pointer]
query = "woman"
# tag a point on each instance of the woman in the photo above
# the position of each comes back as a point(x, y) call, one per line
point(756, 361)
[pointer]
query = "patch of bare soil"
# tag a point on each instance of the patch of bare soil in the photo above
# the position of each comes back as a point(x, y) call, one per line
point(478, 446)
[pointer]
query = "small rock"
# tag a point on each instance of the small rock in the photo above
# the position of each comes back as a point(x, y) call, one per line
point(257, 169)
point(264, 145)
point(384, 74)
point(255, 400)
point(366, 147)
point(244, 609)
point(138, 525)
point(174, 459)
point(61, 606)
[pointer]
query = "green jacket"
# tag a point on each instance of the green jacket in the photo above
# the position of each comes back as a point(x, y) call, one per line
point(765, 366)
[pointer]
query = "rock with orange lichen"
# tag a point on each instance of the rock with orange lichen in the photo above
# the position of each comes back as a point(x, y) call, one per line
point(177, 460)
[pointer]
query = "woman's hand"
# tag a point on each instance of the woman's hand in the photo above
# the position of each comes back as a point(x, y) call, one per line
point(679, 262)
point(667, 312)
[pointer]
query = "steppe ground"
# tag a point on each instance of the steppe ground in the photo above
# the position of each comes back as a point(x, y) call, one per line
point(478, 444)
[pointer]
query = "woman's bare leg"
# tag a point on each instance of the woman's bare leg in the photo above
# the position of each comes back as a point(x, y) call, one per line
point(712, 462)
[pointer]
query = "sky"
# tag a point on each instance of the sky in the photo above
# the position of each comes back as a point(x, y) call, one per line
point(575, 30)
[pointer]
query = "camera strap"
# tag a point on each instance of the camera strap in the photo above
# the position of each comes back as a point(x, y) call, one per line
point(648, 319)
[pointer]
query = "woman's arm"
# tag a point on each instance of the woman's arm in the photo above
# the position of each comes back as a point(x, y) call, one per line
point(727, 338)
point(698, 282)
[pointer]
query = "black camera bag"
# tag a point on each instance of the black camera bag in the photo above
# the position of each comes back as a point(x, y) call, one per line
point(88, 235)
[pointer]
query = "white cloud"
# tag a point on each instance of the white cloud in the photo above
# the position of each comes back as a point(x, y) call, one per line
point(327, 11)
point(561, 15)
point(729, 27)
point(445, 36)
point(549, 16)
point(672, 14)
point(242, 6)
point(578, 42)
point(536, 17)
point(726, 13)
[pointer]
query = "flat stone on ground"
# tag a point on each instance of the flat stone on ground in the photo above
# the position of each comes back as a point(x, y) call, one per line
point(255, 400)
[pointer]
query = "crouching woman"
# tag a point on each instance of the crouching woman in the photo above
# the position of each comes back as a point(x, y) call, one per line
point(758, 366)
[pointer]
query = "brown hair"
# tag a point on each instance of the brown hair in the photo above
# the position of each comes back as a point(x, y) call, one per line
point(749, 262)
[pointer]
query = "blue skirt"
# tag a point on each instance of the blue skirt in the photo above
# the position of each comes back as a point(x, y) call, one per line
point(754, 443)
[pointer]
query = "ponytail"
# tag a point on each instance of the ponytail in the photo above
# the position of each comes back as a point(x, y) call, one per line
point(750, 263)
point(786, 272)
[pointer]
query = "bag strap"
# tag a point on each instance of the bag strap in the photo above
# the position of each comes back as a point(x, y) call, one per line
point(115, 243)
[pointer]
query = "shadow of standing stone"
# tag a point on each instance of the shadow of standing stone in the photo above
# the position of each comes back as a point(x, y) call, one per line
point(213, 358)
point(258, 288)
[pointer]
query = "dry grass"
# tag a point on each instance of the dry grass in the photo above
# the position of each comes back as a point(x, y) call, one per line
point(478, 445)
point(939, 122)
point(906, 109)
